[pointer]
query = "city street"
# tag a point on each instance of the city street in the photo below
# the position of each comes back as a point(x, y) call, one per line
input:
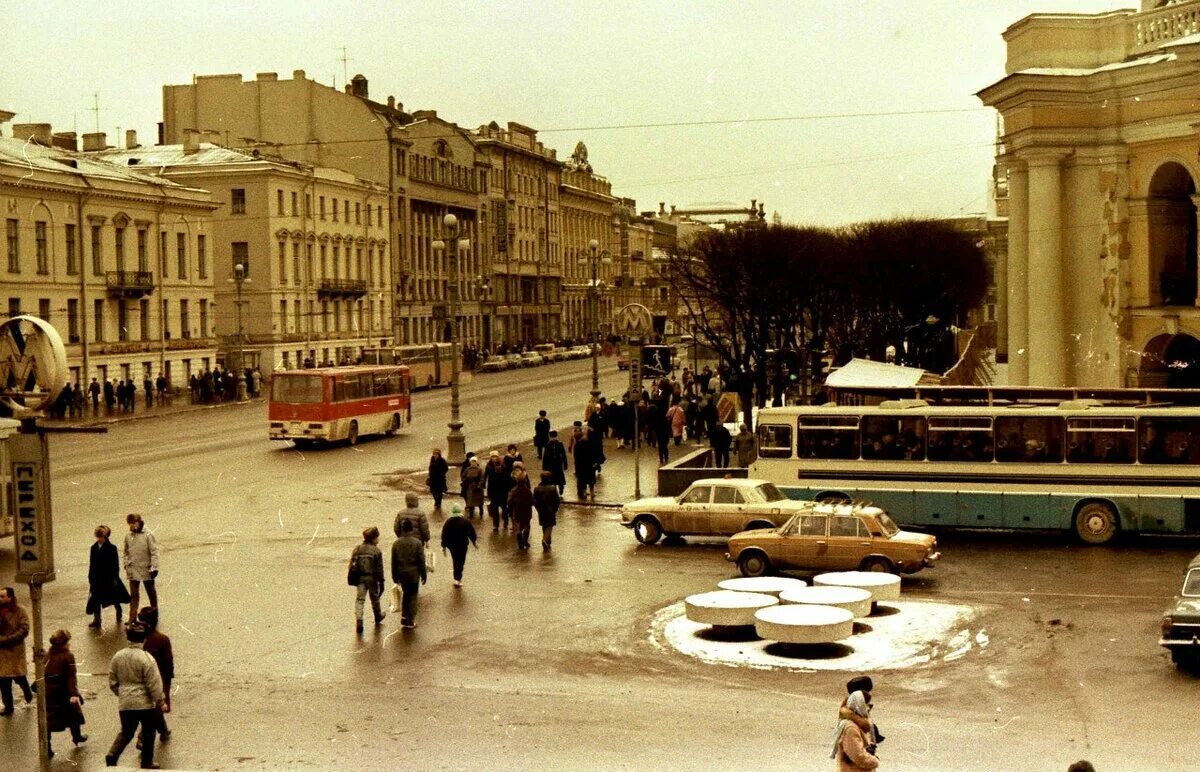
point(548, 658)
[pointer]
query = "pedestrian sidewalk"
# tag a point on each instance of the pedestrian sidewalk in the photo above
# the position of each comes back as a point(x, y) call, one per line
point(181, 403)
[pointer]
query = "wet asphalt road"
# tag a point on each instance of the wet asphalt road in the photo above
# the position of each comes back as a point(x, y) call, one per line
point(544, 658)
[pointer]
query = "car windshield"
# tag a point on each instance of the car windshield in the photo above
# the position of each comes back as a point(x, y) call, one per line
point(769, 492)
point(1191, 584)
point(888, 525)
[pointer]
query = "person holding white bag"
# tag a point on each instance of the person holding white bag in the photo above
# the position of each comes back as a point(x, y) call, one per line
point(408, 566)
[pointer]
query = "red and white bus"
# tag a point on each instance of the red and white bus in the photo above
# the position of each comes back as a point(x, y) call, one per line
point(339, 403)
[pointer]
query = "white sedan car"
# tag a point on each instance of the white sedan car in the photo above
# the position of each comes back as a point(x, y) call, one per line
point(711, 507)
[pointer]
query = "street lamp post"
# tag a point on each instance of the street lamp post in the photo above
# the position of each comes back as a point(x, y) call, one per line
point(239, 278)
point(456, 441)
point(595, 258)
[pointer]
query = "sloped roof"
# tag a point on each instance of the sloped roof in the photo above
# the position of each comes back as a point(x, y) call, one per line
point(174, 155)
point(35, 157)
point(864, 373)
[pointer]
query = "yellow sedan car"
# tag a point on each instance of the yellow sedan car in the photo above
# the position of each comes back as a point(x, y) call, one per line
point(833, 537)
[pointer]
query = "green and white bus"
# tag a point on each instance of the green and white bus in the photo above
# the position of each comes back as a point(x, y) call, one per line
point(1081, 465)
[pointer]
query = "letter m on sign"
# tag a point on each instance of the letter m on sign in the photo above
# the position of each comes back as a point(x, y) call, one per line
point(18, 370)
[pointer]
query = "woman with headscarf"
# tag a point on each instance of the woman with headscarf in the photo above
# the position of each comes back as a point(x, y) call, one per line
point(520, 505)
point(438, 469)
point(64, 703)
point(462, 473)
point(472, 487)
point(851, 746)
point(105, 587)
point(457, 535)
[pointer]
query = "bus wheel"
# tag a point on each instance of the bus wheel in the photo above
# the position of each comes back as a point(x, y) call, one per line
point(753, 563)
point(877, 564)
point(352, 436)
point(1096, 523)
point(647, 530)
point(394, 425)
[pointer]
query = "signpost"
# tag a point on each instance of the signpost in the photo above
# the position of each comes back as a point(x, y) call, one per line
point(634, 321)
point(33, 372)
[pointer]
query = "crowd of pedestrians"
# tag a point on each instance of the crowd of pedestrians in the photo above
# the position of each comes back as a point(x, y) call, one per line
point(120, 396)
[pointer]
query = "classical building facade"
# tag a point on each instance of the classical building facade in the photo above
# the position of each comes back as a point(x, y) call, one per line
point(118, 259)
point(527, 264)
point(588, 210)
point(1100, 147)
point(313, 243)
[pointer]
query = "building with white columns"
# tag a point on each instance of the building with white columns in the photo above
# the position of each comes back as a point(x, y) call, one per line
point(1101, 146)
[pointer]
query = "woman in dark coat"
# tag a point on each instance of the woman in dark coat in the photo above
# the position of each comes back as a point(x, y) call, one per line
point(520, 505)
point(64, 704)
point(104, 577)
point(457, 535)
point(438, 469)
point(462, 474)
point(546, 501)
point(585, 468)
point(472, 487)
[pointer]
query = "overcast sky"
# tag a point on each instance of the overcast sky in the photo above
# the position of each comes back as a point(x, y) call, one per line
point(583, 71)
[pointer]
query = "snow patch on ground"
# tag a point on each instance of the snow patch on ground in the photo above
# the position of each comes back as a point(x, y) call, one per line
point(915, 633)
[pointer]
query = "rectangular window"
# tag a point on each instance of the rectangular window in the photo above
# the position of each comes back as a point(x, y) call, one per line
point(960, 439)
point(14, 307)
point(337, 259)
point(296, 263)
point(334, 203)
point(237, 201)
point(162, 253)
point(185, 329)
point(122, 320)
point(119, 243)
point(202, 256)
point(893, 438)
point(1166, 440)
point(1028, 439)
point(44, 309)
point(181, 254)
point(358, 213)
point(98, 321)
point(72, 255)
point(307, 205)
point(774, 441)
point(828, 436)
point(379, 215)
point(203, 318)
point(345, 211)
point(1100, 440)
point(144, 321)
point(279, 202)
point(358, 267)
point(283, 262)
point(72, 320)
point(240, 250)
point(43, 255)
point(97, 255)
point(283, 317)
point(166, 319)
point(321, 207)
point(294, 200)
point(400, 162)
point(14, 244)
point(142, 256)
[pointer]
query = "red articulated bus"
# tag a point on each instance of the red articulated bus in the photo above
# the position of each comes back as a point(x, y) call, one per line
point(339, 403)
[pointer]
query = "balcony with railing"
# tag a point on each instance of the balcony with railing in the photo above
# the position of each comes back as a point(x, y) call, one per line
point(129, 284)
point(352, 288)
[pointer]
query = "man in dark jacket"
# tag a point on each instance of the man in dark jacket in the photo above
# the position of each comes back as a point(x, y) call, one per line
point(158, 645)
point(720, 439)
point(497, 480)
point(541, 433)
point(408, 568)
point(110, 396)
point(585, 468)
point(413, 514)
point(366, 573)
point(546, 501)
point(554, 461)
point(520, 506)
point(457, 535)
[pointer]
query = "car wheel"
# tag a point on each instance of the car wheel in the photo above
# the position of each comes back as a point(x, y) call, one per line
point(394, 425)
point(753, 563)
point(756, 524)
point(647, 530)
point(1096, 523)
point(352, 436)
point(878, 565)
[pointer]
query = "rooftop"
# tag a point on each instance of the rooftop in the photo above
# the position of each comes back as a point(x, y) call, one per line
point(36, 157)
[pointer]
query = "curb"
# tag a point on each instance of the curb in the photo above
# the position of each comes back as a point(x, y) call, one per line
point(146, 416)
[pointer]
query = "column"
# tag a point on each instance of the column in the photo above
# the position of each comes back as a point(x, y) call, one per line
point(1047, 313)
point(1015, 275)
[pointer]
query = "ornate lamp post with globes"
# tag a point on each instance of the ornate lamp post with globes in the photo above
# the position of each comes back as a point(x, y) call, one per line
point(456, 441)
point(594, 258)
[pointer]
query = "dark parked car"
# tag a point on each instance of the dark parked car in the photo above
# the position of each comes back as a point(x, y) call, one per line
point(1181, 622)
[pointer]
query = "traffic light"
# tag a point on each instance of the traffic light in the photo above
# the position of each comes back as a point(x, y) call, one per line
point(818, 365)
point(789, 365)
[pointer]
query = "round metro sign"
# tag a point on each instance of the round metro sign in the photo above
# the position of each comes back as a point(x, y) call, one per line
point(33, 364)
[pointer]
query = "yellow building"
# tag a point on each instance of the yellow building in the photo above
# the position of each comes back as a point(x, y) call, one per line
point(313, 243)
point(118, 259)
point(587, 211)
point(1100, 147)
point(527, 265)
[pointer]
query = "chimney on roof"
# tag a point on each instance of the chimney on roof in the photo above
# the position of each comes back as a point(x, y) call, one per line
point(37, 132)
point(6, 116)
point(358, 86)
point(191, 140)
point(65, 140)
point(662, 207)
point(424, 115)
point(391, 103)
point(131, 139)
point(268, 76)
point(298, 75)
point(96, 140)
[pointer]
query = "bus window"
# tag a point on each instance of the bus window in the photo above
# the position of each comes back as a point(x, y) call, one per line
point(774, 441)
point(1169, 440)
point(1100, 440)
point(960, 439)
point(893, 438)
point(297, 389)
point(1029, 439)
point(828, 436)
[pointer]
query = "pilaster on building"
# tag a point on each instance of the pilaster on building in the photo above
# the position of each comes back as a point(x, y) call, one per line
point(1100, 145)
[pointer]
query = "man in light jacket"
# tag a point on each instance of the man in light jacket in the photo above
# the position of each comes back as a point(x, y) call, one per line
point(408, 568)
point(141, 563)
point(414, 515)
point(134, 678)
